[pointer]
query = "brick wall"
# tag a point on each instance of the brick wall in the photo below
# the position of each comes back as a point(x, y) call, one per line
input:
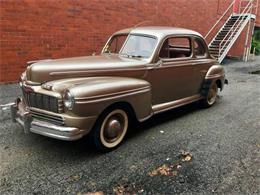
point(40, 29)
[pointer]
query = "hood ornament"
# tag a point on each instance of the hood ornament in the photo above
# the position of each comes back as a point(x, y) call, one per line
point(47, 86)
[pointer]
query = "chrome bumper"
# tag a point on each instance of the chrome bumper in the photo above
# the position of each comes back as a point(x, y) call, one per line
point(43, 128)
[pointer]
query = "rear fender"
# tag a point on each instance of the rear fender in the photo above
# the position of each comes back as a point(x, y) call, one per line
point(216, 73)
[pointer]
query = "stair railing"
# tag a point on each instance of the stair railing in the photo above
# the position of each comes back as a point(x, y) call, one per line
point(254, 5)
point(230, 35)
point(230, 8)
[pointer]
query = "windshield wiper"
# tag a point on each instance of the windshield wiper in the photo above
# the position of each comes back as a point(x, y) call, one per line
point(132, 56)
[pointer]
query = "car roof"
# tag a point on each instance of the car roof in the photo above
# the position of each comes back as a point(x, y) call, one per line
point(159, 31)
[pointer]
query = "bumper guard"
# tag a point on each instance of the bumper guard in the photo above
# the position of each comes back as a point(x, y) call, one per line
point(41, 127)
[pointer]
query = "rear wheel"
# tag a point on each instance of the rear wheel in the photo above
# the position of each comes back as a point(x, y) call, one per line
point(211, 96)
point(110, 129)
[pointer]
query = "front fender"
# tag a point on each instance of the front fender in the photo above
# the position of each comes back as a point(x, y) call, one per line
point(94, 94)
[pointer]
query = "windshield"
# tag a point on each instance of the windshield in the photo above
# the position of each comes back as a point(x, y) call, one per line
point(139, 46)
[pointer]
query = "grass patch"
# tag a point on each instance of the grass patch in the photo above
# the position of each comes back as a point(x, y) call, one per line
point(256, 42)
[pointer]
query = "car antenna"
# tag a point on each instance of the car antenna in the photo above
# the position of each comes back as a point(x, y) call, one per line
point(141, 23)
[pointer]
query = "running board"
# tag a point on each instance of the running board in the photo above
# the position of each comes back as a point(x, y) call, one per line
point(174, 104)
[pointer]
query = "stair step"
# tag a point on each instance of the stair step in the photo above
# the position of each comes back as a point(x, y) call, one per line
point(220, 36)
point(229, 26)
point(216, 47)
point(223, 39)
point(225, 31)
point(213, 50)
point(231, 21)
point(216, 53)
point(226, 28)
point(230, 36)
point(219, 41)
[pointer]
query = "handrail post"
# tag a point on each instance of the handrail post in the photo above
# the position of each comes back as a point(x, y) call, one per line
point(256, 6)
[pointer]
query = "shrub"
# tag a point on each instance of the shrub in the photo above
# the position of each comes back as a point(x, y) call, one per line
point(256, 42)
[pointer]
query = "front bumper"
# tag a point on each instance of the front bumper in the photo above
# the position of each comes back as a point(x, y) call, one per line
point(23, 117)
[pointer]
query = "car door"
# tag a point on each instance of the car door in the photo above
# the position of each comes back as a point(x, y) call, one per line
point(173, 78)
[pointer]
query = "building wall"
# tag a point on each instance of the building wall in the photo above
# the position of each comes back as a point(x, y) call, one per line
point(40, 29)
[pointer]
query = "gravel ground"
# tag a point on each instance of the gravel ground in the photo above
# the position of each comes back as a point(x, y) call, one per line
point(223, 144)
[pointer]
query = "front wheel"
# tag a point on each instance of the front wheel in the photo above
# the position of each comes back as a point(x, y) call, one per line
point(110, 129)
point(211, 96)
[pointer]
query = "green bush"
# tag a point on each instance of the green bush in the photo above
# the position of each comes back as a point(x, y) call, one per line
point(256, 42)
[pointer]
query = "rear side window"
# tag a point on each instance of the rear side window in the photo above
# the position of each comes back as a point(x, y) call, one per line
point(176, 47)
point(199, 48)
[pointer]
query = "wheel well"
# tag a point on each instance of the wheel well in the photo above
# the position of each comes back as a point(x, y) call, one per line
point(218, 82)
point(123, 105)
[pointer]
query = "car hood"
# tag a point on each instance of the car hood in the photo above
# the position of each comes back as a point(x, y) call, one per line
point(102, 65)
point(95, 86)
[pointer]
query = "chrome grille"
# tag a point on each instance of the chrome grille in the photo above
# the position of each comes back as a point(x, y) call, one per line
point(43, 101)
point(58, 120)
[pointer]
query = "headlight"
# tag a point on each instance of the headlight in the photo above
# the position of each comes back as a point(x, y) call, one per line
point(68, 100)
point(22, 79)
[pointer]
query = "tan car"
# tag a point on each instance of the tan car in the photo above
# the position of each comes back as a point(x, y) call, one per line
point(140, 72)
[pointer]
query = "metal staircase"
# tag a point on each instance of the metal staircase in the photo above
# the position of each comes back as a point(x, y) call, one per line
point(229, 26)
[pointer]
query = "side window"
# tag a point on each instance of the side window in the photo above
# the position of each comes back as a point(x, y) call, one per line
point(199, 48)
point(176, 47)
point(115, 44)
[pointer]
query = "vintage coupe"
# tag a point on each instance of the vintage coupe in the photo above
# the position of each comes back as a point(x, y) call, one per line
point(140, 72)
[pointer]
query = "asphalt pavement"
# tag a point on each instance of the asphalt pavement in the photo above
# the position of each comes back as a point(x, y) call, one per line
point(186, 150)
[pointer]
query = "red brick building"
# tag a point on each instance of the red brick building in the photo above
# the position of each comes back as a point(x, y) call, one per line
point(40, 29)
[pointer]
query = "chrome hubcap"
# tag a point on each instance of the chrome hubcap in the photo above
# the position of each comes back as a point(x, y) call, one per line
point(113, 128)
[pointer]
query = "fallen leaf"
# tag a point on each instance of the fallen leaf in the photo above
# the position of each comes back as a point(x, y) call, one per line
point(162, 170)
point(74, 178)
point(186, 156)
point(119, 189)
point(133, 167)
